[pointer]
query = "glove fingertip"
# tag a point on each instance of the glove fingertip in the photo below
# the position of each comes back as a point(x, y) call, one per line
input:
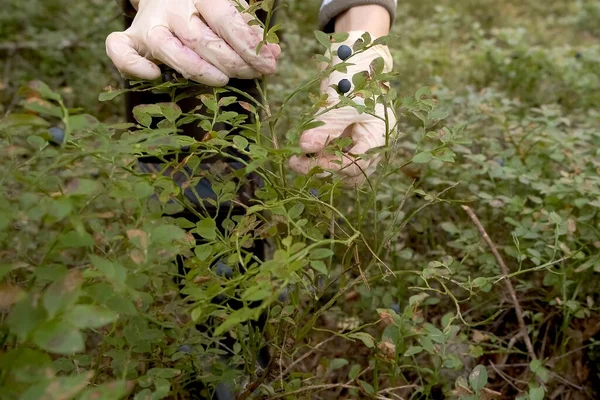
point(275, 50)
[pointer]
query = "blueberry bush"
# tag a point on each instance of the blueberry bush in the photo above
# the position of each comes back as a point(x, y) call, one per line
point(465, 268)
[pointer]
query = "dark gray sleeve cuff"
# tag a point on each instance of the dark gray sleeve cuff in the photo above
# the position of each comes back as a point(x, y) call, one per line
point(332, 8)
point(127, 8)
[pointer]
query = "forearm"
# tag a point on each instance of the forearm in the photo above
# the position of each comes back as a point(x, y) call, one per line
point(370, 18)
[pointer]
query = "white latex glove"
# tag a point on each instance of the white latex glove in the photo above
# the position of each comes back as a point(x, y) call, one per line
point(208, 41)
point(366, 131)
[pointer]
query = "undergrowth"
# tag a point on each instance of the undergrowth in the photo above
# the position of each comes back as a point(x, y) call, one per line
point(465, 268)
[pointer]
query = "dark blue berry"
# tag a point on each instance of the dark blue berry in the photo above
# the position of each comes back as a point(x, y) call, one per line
point(219, 299)
point(185, 149)
point(396, 307)
point(284, 296)
point(344, 52)
point(186, 348)
point(223, 270)
point(344, 86)
point(314, 192)
point(167, 76)
point(57, 135)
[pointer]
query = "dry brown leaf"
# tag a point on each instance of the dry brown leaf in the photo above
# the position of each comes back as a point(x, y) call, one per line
point(9, 295)
point(137, 256)
point(489, 394)
point(479, 337)
point(140, 236)
point(386, 317)
point(388, 350)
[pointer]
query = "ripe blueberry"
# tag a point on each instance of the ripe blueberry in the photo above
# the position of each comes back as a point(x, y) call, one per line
point(186, 348)
point(167, 76)
point(57, 135)
point(284, 296)
point(344, 52)
point(344, 86)
point(395, 307)
point(223, 270)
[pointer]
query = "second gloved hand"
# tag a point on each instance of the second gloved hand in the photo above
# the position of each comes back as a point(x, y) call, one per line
point(208, 41)
point(367, 130)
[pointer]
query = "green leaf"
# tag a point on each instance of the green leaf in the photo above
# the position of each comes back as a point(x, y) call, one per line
point(319, 254)
point(166, 373)
point(59, 338)
point(367, 387)
point(320, 267)
point(66, 387)
point(36, 142)
point(296, 211)
point(18, 119)
point(479, 282)
point(75, 239)
point(141, 116)
point(537, 367)
point(44, 91)
point(427, 344)
point(354, 371)
point(422, 158)
point(256, 293)
point(203, 251)
point(363, 337)
point(83, 187)
point(114, 390)
point(435, 334)
point(166, 234)
point(236, 318)
point(207, 228)
point(82, 121)
point(312, 125)
point(209, 101)
point(337, 363)
point(111, 93)
point(240, 142)
point(423, 91)
point(478, 378)
point(272, 37)
point(339, 37)
point(452, 361)
point(26, 365)
point(171, 111)
point(84, 316)
point(62, 293)
point(26, 316)
point(536, 393)
point(412, 350)
point(113, 271)
point(323, 38)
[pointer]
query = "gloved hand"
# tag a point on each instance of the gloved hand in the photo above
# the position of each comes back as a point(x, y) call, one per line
point(208, 41)
point(366, 131)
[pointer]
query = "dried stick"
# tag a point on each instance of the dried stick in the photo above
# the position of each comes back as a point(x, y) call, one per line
point(308, 353)
point(509, 286)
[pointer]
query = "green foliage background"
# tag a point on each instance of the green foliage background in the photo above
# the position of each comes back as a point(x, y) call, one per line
point(414, 303)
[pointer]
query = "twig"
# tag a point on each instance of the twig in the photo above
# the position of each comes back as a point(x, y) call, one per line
point(511, 343)
point(365, 281)
point(392, 389)
point(308, 353)
point(509, 286)
point(504, 377)
point(315, 387)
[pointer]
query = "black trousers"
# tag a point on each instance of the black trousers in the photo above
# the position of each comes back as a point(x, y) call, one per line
point(203, 189)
